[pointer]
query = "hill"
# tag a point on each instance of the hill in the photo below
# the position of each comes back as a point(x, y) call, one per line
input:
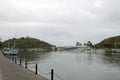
point(28, 42)
point(112, 42)
point(1, 45)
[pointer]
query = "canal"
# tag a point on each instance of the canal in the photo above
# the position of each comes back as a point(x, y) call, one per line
point(75, 65)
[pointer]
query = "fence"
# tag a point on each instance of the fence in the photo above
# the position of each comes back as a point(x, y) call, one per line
point(51, 73)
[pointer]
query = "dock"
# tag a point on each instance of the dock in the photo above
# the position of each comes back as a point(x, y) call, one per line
point(11, 71)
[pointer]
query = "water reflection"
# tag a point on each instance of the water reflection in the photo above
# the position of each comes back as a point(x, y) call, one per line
point(28, 55)
point(87, 58)
point(112, 58)
point(84, 58)
point(106, 58)
point(76, 65)
point(31, 56)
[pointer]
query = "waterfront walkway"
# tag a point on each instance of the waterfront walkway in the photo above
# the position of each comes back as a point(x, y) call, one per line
point(11, 71)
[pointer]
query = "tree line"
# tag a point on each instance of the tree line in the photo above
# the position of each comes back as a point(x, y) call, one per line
point(26, 42)
point(89, 44)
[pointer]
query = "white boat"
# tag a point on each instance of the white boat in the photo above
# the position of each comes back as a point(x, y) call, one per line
point(116, 50)
point(12, 51)
point(6, 51)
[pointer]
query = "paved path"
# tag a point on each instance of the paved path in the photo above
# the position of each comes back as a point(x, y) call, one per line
point(1, 78)
point(11, 71)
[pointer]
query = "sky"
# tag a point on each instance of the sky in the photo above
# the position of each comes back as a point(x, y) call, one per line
point(60, 22)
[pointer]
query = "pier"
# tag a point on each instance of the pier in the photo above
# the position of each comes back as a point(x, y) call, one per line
point(11, 71)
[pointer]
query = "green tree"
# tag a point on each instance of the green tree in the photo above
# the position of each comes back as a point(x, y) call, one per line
point(78, 44)
point(1, 45)
point(28, 42)
point(108, 45)
point(84, 44)
point(89, 43)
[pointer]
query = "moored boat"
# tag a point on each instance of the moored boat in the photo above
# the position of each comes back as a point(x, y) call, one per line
point(116, 50)
point(6, 51)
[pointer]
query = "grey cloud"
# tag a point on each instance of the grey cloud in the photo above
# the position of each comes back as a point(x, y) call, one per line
point(60, 22)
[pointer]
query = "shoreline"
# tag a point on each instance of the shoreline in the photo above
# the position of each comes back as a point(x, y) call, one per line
point(11, 71)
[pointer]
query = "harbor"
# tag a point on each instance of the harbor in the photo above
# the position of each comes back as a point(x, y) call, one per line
point(59, 40)
point(32, 61)
point(72, 65)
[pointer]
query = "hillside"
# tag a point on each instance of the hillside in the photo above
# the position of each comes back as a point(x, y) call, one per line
point(28, 42)
point(1, 45)
point(111, 42)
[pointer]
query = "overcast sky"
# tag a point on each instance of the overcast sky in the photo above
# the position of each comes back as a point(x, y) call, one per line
point(60, 22)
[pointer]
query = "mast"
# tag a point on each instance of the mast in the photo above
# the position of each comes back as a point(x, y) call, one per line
point(8, 45)
point(14, 44)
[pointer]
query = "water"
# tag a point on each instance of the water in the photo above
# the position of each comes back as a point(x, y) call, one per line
point(78, 65)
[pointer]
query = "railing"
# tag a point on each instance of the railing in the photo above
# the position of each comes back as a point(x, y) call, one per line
point(51, 73)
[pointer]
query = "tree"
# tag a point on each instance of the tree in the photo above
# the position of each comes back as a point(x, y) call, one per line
point(108, 45)
point(25, 43)
point(84, 44)
point(1, 45)
point(78, 44)
point(89, 43)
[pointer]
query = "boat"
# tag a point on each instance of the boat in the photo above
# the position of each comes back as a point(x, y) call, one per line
point(10, 51)
point(115, 50)
point(6, 51)
point(14, 50)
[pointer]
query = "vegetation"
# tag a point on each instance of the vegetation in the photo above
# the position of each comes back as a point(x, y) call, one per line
point(27, 55)
point(89, 44)
point(78, 44)
point(28, 42)
point(1, 45)
point(112, 42)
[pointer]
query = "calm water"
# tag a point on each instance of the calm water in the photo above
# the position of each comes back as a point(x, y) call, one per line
point(78, 65)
